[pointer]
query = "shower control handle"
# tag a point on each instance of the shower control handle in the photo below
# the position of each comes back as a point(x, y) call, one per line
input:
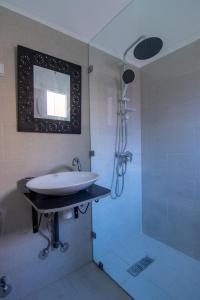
point(125, 156)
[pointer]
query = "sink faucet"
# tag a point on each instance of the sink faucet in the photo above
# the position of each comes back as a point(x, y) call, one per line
point(76, 163)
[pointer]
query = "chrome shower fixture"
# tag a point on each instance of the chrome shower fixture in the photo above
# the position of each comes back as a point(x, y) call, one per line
point(144, 48)
point(122, 156)
point(131, 46)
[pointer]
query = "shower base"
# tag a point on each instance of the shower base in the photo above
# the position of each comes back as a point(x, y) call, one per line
point(172, 276)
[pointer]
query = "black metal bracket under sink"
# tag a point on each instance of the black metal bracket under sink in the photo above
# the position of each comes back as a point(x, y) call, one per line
point(52, 205)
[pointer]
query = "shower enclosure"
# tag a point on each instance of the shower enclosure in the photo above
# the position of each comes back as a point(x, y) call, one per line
point(148, 239)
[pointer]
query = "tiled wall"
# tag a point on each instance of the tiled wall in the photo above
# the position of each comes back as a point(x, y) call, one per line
point(33, 154)
point(114, 220)
point(171, 149)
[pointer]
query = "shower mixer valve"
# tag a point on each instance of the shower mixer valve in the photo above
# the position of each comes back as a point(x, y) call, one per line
point(125, 156)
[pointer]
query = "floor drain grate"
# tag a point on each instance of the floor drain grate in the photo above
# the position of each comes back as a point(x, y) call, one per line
point(140, 266)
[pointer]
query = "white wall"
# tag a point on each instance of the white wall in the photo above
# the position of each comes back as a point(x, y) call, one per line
point(170, 149)
point(32, 154)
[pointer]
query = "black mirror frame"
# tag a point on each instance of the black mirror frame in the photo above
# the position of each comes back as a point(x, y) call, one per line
point(26, 59)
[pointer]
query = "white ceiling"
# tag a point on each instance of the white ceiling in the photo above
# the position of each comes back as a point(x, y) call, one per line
point(177, 22)
point(82, 19)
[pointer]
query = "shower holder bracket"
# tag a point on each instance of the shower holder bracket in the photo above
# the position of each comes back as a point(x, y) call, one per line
point(100, 266)
point(93, 235)
point(91, 153)
point(90, 69)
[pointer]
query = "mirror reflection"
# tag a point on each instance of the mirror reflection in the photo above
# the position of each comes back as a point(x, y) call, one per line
point(51, 94)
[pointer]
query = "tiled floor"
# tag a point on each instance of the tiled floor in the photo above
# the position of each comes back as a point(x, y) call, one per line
point(88, 283)
point(173, 275)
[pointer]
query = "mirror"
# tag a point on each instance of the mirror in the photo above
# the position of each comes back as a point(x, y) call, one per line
point(49, 93)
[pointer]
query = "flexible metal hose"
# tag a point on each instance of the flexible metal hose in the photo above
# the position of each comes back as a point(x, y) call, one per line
point(119, 164)
point(121, 156)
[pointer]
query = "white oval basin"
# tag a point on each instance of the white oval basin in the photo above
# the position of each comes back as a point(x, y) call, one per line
point(64, 183)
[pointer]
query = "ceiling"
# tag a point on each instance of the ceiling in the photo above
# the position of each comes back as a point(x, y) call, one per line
point(82, 19)
point(112, 25)
point(176, 22)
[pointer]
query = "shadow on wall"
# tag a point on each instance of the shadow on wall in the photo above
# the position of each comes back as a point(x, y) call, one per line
point(15, 214)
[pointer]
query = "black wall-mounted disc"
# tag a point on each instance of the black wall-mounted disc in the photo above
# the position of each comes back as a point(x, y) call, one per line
point(148, 48)
point(128, 76)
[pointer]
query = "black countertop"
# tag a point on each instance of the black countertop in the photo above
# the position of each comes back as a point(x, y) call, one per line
point(46, 203)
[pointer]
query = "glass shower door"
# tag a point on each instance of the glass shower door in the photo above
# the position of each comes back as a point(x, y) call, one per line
point(157, 219)
point(114, 220)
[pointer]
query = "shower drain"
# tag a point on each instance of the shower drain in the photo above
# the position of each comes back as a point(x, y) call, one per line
point(140, 266)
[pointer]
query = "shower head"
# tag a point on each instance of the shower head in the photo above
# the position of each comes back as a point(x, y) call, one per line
point(148, 48)
point(128, 76)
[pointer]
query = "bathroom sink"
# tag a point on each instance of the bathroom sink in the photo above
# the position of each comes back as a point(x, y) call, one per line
point(63, 183)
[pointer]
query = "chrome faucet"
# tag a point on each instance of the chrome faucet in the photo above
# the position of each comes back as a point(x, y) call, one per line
point(76, 163)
